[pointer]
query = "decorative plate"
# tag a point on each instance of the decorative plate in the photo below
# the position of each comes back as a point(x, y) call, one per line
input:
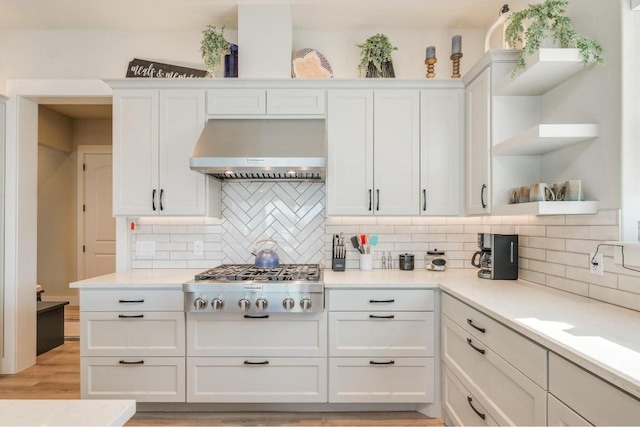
point(309, 63)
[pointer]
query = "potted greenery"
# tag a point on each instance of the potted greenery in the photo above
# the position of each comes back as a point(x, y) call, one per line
point(213, 48)
point(547, 21)
point(375, 57)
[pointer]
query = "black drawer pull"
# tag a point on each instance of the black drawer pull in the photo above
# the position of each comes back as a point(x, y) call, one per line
point(479, 350)
point(381, 301)
point(262, 316)
point(131, 301)
point(373, 316)
point(138, 362)
point(480, 414)
point(130, 316)
point(266, 362)
point(470, 322)
point(373, 362)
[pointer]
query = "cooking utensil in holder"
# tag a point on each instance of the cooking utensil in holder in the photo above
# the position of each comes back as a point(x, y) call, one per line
point(339, 253)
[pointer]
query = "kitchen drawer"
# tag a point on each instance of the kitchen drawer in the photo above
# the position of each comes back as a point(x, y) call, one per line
point(132, 334)
point(131, 300)
point(461, 408)
point(381, 334)
point(256, 379)
point(380, 299)
point(236, 101)
point(513, 398)
point(296, 101)
point(559, 414)
point(145, 379)
point(286, 334)
point(383, 380)
point(597, 401)
point(525, 355)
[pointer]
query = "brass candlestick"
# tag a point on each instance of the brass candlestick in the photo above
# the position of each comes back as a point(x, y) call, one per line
point(455, 57)
point(431, 69)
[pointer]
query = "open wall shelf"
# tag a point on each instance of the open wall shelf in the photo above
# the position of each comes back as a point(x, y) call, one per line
point(545, 138)
point(548, 208)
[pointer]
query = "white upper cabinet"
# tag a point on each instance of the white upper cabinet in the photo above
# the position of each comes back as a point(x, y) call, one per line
point(478, 108)
point(441, 142)
point(260, 102)
point(154, 134)
point(373, 165)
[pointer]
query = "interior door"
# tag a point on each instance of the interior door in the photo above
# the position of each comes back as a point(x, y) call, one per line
point(99, 226)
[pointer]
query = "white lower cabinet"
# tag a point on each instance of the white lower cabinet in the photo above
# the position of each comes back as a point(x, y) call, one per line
point(132, 344)
point(381, 345)
point(461, 407)
point(257, 380)
point(145, 379)
point(559, 414)
point(381, 379)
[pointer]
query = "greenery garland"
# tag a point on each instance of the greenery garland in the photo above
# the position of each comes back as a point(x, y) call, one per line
point(546, 19)
point(213, 48)
point(376, 50)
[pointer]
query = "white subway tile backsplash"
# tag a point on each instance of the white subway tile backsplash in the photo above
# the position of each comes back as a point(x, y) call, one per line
point(568, 232)
point(548, 268)
point(568, 285)
point(614, 296)
point(606, 217)
point(568, 258)
point(629, 283)
point(584, 275)
point(531, 230)
point(604, 232)
point(546, 243)
point(446, 229)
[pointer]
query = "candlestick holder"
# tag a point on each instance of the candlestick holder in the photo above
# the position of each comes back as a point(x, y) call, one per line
point(431, 67)
point(455, 57)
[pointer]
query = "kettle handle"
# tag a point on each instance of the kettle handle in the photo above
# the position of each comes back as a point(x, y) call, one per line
point(269, 239)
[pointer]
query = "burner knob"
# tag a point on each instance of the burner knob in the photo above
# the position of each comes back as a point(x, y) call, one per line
point(305, 304)
point(244, 304)
point(288, 303)
point(200, 303)
point(261, 304)
point(217, 304)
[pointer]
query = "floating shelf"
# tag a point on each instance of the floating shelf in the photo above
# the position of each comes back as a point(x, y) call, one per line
point(545, 138)
point(548, 208)
point(545, 69)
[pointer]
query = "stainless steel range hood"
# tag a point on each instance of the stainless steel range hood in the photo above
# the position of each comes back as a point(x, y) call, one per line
point(262, 149)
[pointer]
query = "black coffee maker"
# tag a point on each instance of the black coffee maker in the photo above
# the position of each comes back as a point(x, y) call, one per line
point(498, 256)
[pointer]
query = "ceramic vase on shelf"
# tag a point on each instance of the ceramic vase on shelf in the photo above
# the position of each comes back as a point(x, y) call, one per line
point(387, 70)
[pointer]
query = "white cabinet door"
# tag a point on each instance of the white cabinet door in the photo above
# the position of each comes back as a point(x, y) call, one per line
point(383, 380)
point(256, 379)
point(135, 152)
point(296, 102)
point(478, 111)
point(441, 142)
point(236, 102)
point(350, 152)
point(381, 334)
point(182, 118)
point(396, 158)
point(559, 414)
point(145, 379)
point(380, 299)
point(461, 408)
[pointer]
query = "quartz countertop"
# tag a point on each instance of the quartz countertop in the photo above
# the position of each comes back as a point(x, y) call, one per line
point(600, 337)
point(142, 277)
point(52, 412)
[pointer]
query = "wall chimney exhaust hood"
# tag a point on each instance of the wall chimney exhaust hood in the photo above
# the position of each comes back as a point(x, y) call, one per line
point(261, 149)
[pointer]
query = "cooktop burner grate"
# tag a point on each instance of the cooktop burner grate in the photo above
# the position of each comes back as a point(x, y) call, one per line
point(249, 272)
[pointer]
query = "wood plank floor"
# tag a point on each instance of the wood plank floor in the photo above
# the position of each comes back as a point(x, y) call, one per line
point(56, 375)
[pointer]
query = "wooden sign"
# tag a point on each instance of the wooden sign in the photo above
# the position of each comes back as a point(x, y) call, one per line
point(148, 69)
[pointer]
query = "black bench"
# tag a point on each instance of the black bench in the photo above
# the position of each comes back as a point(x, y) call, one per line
point(50, 325)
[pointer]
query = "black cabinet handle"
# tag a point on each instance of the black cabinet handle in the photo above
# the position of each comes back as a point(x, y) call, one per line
point(373, 362)
point(131, 301)
point(424, 199)
point(370, 199)
point(130, 316)
point(484, 187)
point(153, 199)
point(479, 350)
point(137, 362)
point(470, 322)
point(480, 414)
point(378, 199)
point(265, 362)
point(381, 301)
point(373, 316)
point(161, 199)
point(263, 316)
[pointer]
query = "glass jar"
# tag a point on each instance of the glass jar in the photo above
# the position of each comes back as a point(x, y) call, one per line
point(435, 260)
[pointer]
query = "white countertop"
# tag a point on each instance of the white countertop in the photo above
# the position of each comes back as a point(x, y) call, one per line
point(603, 338)
point(66, 412)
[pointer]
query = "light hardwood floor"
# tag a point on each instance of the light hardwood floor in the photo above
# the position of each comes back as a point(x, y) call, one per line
point(56, 375)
